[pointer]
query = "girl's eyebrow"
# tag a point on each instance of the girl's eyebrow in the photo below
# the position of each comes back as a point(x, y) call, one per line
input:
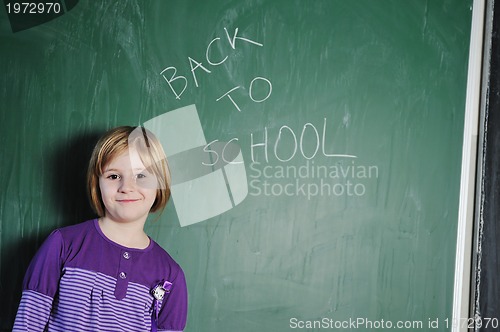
point(111, 170)
point(118, 170)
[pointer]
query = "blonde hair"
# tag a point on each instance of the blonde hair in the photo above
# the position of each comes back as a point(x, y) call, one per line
point(115, 142)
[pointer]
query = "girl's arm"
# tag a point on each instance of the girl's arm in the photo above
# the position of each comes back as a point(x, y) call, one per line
point(173, 312)
point(40, 286)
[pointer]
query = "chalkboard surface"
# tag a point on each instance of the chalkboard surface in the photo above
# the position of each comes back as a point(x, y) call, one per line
point(333, 130)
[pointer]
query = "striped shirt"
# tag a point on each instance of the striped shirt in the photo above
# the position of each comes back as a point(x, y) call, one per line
point(80, 281)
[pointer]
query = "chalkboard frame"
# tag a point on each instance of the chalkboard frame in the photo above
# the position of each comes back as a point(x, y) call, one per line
point(468, 201)
point(484, 301)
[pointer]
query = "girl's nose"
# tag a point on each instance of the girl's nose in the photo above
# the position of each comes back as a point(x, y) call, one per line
point(127, 184)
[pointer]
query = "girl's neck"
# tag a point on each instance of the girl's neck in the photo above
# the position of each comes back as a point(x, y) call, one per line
point(128, 235)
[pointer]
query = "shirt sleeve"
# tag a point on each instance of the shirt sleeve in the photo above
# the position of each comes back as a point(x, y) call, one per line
point(173, 312)
point(40, 285)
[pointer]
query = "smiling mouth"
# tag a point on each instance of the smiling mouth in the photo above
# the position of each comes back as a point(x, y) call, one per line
point(127, 200)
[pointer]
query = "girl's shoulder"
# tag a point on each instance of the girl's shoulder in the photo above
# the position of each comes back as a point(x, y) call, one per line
point(158, 259)
point(77, 228)
point(158, 252)
point(76, 231)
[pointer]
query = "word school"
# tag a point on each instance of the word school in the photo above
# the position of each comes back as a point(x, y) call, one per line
point(286, 139)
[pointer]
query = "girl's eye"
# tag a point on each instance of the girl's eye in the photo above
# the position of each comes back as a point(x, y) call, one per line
point(113, 176)
point(141, 176)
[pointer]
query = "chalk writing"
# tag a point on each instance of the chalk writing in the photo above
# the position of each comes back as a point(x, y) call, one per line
point(250, 93)
point(298, 145)
point(179, 83)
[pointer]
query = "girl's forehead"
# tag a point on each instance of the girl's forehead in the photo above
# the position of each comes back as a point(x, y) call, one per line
point(127, 159)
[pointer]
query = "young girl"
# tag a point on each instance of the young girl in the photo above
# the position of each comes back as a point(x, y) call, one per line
point(106, 274)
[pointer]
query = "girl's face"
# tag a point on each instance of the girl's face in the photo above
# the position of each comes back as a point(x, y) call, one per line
point(128, 190)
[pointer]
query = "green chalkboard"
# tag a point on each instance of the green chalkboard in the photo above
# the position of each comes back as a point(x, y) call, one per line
point(331, 131)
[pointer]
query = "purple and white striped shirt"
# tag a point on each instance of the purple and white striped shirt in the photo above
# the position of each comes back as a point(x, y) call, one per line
point(80, 281)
